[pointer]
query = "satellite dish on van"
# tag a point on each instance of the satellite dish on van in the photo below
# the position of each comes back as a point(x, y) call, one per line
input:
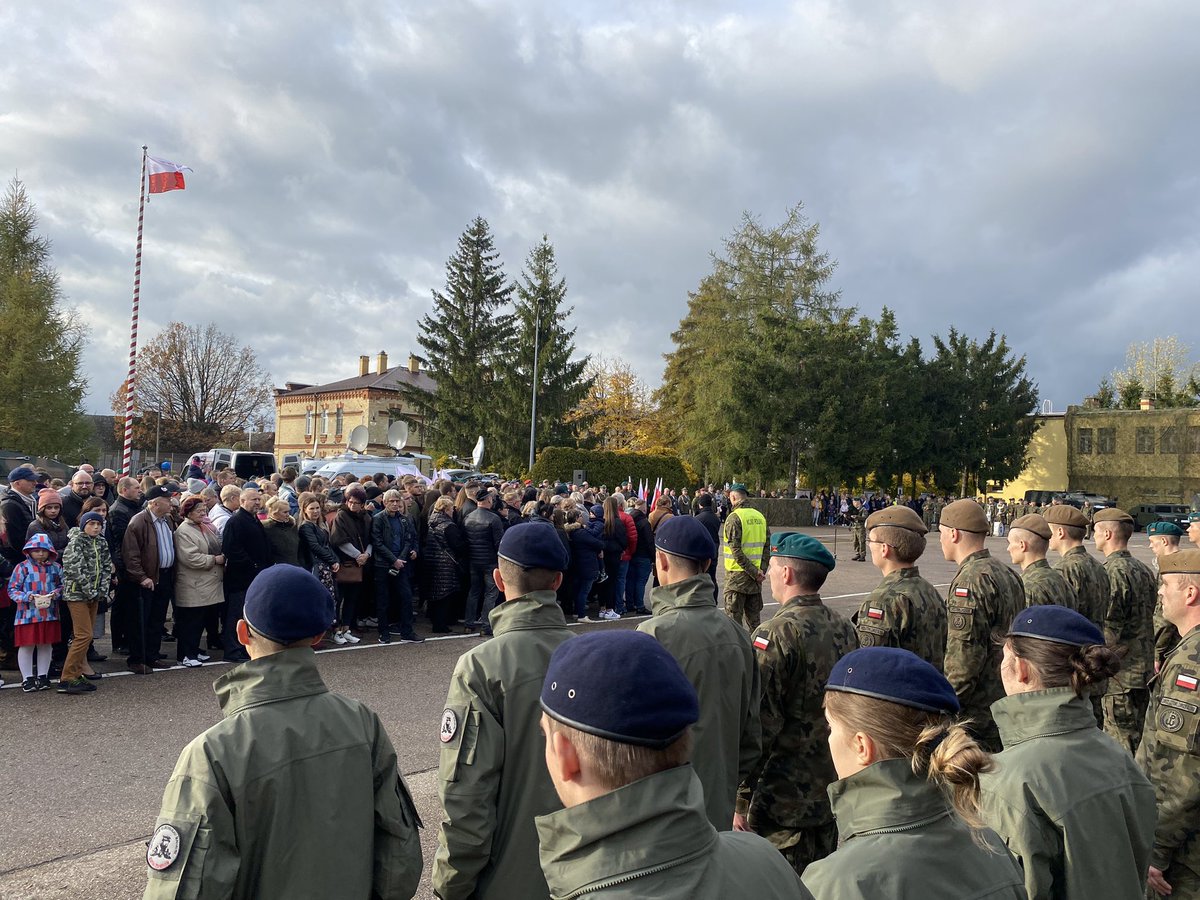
point(358, 439)
point(477, 453)
point(397, 435)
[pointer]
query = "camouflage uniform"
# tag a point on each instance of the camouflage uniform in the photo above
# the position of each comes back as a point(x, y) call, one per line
point(1044, 586)
point(1129, 623)
point(904, 611)
point(784, 798)
point(985, 596)
point(1166, 635)
point(1170, 756)
point(743, 591)
point(1088, 580)
point(927, 511)
point(858, 531)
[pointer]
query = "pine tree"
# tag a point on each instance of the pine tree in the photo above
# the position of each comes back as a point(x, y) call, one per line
point(541, 314)
point(40, 342)
point(464, 339)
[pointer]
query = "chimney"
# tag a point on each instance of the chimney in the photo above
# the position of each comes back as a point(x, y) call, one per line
point(1147, 403)
point(381, 363)
point(414, 364)
point(364, 365)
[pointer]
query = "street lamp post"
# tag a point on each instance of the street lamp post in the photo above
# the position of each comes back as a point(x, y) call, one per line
point(537, 325)
point(157, 436)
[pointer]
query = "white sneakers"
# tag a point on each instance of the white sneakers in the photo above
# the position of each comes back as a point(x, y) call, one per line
point(190, 663)
point(350, 637)
point(610, 614)
point(339, 637)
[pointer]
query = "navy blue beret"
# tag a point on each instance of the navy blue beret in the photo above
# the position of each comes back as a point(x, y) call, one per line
point(578, 690)
point(287, 604)
point(1057, 624)
point(22, 473)
point(533, 545)
point(685, 536)
point(895, 675)
point(795, 545)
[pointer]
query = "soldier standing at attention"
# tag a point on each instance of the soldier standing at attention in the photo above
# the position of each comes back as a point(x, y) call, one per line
point(904, 610)
point(1169, 754)
point(1028, 541)
point(1082, 571)
point(492, 775)
point(295, 793)
point(1193, 529)
point(715, 654)
point(984, 596)
point(784, 799)
point(746, 553)
point(1164, 540)
point(858, 530)
point(1129, 624)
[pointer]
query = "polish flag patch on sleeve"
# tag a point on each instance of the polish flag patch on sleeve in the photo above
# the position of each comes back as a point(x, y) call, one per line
point(761, 643)
point(961, 592)
point(874, 612)
point(1186, 681)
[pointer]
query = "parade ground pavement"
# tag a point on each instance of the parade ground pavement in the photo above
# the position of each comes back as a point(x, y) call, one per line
point(82, 776)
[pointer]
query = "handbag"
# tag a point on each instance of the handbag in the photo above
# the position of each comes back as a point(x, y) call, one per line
point(42, 601)
point(349, 572)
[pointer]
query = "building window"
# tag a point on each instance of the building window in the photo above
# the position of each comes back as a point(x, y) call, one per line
point(394, 416)
point(1085, 442)
point(325, 421)
point(1168, 440)
point(1193, 439)
point(308, 421)
point(338, 426)
point(1106, 440)
point(1145, 440)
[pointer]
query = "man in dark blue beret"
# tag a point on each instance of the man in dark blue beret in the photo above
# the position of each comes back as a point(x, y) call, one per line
point(492, 777)
point(634, 822)
point(251, 783)
point(784, 798)
point(716, 656)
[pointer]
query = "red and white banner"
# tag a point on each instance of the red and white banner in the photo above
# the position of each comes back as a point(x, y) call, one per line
point(165, 175)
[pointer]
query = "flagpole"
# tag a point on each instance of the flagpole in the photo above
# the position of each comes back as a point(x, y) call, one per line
point(131, 381)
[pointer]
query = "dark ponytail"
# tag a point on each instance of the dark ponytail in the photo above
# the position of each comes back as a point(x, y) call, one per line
point(1065, 665)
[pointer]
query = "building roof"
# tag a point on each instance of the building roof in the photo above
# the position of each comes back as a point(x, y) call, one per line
point(394, 379)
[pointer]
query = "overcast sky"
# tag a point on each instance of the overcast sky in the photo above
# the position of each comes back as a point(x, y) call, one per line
point(1019, 166)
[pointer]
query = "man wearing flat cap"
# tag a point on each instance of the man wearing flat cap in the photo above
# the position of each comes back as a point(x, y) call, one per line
point(785, 797)
point(296, 792)
point(984, 596)
point(492, 775)
point(744, 538)
point(1169, 752)
point(715, 654)
point(1128, 624)
point(1083, 572)
point(1028, 541)
point(1164, 540)
point(904, 610)
point(633, 822)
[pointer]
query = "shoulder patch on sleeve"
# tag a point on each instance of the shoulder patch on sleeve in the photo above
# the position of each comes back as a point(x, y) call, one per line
point(761, 642)
point(449, 727)
point(961, 592)
point(163, 849)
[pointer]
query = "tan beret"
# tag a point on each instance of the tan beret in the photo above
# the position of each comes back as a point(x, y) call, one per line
point(965, 515)
point(1185, 562)
point(1064, 514)
point(1112, 514)
point(1035, 523)
point(899, 516)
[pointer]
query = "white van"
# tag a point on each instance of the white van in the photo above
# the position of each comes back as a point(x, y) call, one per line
point(245, 463)
point(358, 466)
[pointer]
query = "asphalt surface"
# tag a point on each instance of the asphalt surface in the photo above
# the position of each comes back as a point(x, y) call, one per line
point(82, 777)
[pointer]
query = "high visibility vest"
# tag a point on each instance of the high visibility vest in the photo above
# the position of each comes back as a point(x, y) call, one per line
point(754, 538)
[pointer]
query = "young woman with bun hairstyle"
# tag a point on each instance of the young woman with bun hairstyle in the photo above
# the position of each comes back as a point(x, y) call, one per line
point(907, 798)
point(1069, 801)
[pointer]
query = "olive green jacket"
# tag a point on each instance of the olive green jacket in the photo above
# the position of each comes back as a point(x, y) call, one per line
point(715, 654)
point(651, 839)
point(905, 611)
point(1069, 802)
point(492, 774)
point(294, 794)
point(1045, 586)
point(901, 840)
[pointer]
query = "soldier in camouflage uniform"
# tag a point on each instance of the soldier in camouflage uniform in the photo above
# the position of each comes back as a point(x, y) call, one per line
point(746, 556)
point(1170, 748)
point(785, 798)
point(1128, 623)
point(858, 530)
point(904, 610)
point(984, 596)
point(1028, 541)
point(927, 514)
point(1082, 571)
point(1164, 540)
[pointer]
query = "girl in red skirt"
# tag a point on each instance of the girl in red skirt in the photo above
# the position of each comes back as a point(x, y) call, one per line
point(36, 588)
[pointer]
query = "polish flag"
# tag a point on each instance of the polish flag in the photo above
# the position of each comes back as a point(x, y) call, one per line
point(164, 175)
point(1186, 681)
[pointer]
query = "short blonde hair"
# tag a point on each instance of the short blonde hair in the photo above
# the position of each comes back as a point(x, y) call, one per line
point(276, 503)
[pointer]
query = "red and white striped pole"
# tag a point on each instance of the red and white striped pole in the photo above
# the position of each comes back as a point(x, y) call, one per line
point(131, 381)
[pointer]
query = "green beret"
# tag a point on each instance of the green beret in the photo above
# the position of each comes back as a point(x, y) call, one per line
point(1065, 514)
point(1112, 514)
point(1164, 529)
point(1193, 517)
point(795, 545)
point(899, 516)
point(1185, 562)
point(965, 515)
point(738, 486)
point(1035, 523)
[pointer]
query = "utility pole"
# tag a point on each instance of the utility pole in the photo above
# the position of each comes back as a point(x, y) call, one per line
point(537, 325)
point(158, 437)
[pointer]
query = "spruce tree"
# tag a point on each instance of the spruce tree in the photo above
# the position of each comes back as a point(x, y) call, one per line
point(464, 339)
point(40, 342)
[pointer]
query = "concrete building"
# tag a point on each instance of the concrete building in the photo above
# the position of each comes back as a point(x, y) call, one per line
point(316, 419)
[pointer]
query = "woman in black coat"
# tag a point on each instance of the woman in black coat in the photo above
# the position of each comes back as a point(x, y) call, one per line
point(350, 536)
point(616, 539)
point(587, 543)
point(444, 554)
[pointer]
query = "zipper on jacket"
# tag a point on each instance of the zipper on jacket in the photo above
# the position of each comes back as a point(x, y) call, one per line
point(896, 829)
point(641, 873)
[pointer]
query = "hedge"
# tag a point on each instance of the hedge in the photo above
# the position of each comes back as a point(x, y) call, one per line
point(610, 467)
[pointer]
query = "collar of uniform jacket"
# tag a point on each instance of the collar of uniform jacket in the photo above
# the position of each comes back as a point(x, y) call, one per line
point(656, 821)
point(285, 675)
point(884, 795)
point(691, 592)
point(1034, 714)
point(537, 609)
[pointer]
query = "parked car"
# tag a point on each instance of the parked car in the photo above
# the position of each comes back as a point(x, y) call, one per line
point(1078, 498)
point(1145, 513)
point(358, 466)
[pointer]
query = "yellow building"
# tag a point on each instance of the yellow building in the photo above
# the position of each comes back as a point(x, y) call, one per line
point(1046, 467)
point(316, 420)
